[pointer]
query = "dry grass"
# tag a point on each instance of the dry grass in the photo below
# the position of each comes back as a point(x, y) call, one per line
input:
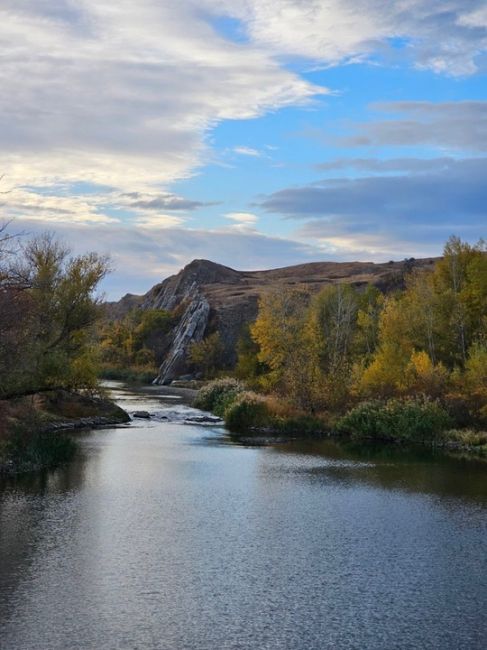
point(467, 437)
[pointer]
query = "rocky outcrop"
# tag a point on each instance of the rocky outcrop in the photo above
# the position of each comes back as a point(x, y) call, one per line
point(191, 327)
point(210, 297)
point(117, 310)
point(187, 283)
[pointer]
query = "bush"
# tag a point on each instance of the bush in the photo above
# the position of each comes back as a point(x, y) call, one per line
point(302, 425)
point(411, 420)
point(468, 437)
point(217, 394)
point(246, 410)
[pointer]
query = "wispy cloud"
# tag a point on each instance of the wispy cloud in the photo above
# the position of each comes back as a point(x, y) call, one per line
point(401, 165)
point(460, 125)
point(444, 37)
point(159, 201)
point(247, 151)
point(242, 220)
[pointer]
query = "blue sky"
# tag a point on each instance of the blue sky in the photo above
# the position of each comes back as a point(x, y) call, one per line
point(257, 133)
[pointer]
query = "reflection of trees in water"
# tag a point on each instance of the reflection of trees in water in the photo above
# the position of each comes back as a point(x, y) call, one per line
point(410, 469)
point(24, 510)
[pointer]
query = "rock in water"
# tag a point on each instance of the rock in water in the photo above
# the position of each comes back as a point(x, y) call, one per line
point(141, 414)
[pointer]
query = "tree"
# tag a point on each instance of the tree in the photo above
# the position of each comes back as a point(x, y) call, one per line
point(371, 302)
point(59, 307)
point(428, 330)
point(460, 281)
point(334, 315)
point(248, 365)
point(286, 346)
point(332, 323)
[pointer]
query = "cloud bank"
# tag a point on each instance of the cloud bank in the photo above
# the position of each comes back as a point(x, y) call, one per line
point(379, 213)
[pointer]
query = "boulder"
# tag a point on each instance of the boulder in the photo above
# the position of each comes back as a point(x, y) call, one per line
point(141, 414)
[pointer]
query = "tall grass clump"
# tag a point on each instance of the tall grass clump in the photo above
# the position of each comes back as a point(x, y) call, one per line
point(245, 411)
point(409, 420)
point(217, 395)
point(33, 450)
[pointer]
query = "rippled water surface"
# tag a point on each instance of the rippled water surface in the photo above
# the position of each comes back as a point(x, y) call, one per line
point(164, 535)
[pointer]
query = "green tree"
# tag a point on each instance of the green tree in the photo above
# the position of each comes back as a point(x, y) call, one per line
point(248, 365)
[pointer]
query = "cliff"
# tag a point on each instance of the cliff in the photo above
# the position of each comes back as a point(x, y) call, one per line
point(212, 297)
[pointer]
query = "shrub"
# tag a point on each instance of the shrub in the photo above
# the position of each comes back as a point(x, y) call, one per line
point(246, 410)
point(468, 437)
point(414, 420)
point(217, 392)
point(302, 425)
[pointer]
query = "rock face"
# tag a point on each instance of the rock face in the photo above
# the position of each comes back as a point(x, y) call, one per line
point(212, 297)
point(191, 327)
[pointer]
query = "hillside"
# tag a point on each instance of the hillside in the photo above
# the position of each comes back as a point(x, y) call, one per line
point(218, 298)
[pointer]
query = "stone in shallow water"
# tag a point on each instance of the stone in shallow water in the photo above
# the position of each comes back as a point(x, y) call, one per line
point(203, 418)
point(141, 414)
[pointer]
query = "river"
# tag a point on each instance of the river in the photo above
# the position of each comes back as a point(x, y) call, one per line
point(164, 535)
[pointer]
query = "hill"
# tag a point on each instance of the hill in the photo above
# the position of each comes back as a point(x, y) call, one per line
point(213, 297)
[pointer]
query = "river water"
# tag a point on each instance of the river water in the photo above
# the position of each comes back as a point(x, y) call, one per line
point(165, 535)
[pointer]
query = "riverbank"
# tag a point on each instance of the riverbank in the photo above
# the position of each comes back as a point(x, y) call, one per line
point(262, 419)
point(471, 444)
point(34, 430)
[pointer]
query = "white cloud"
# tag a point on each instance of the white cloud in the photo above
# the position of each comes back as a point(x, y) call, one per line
point(159, 221)
point(22, 203)
point(443, 36)
point(123, 93)
point(247, 151)
point(242, 217)
point(243, 221)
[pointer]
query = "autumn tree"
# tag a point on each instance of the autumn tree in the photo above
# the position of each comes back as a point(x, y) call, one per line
point(427, 331)
point(460, 281)
point(139, 339)
point(58, 308)
point(286, 346)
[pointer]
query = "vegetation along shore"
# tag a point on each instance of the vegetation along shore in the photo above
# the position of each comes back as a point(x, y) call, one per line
point(402, 358)
point(48, 352)
point(409, 366)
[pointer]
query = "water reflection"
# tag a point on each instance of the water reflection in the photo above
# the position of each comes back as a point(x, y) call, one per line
point(413, 469)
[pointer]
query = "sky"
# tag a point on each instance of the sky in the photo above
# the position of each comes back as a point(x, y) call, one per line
point(255, 133)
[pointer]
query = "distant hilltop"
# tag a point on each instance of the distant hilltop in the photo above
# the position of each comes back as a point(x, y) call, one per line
point(217, 298)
